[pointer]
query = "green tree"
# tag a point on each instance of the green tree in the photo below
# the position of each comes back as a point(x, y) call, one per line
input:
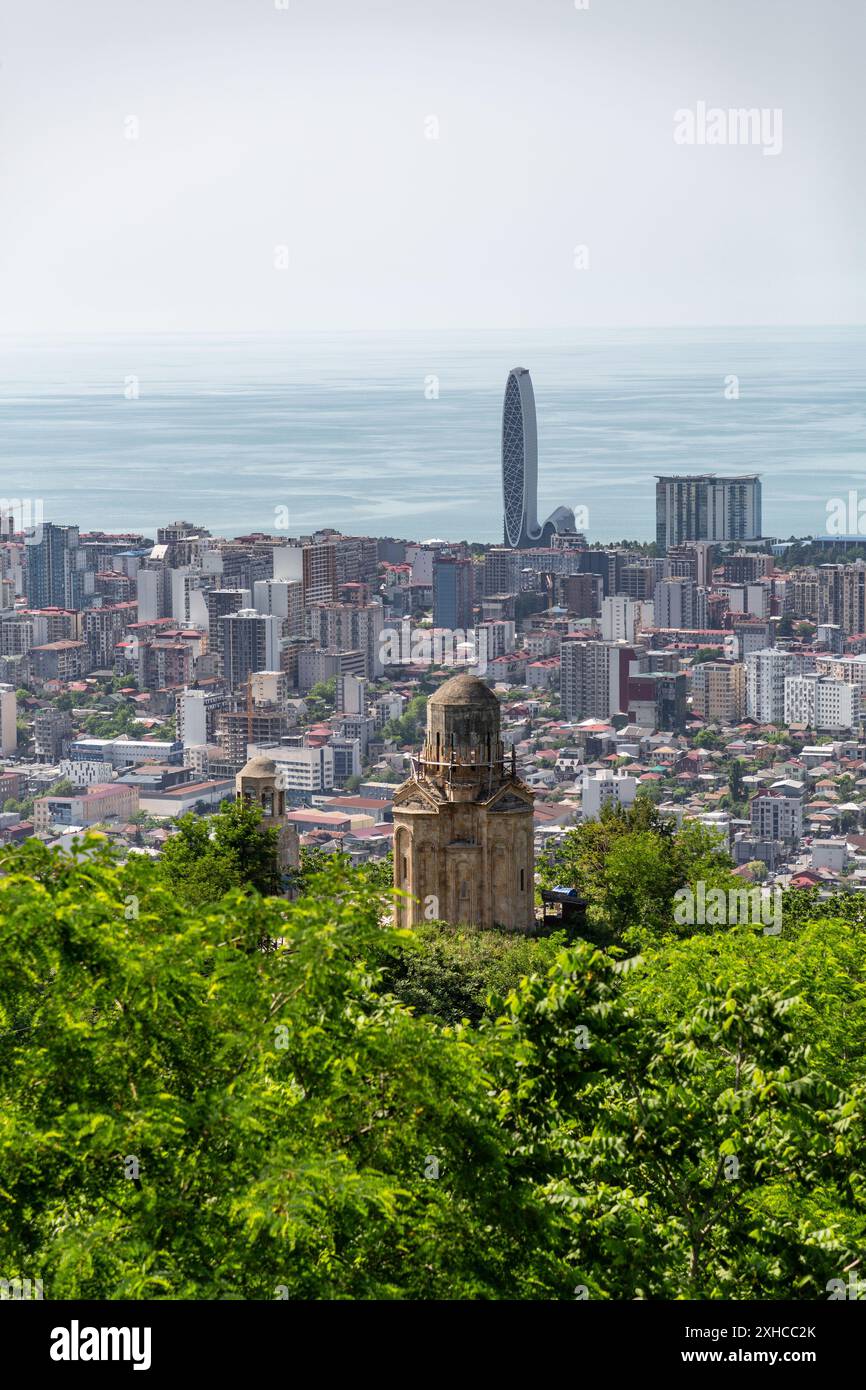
point(181, 1118)
point(409, 728)
point(322, 698)
point(210, 855)
point(451, 973)
point(629, 864)
point(185, 1115)
point(758, 869)
point(709, 739)
point(62, 787)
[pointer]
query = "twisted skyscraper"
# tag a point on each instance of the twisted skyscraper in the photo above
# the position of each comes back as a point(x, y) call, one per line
point(520, 469)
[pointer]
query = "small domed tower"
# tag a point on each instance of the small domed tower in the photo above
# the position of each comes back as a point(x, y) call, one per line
point(259, 783)
point(463, 827)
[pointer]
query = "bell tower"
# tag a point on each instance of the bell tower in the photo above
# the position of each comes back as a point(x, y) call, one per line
point(463, 827)
point(259, 783)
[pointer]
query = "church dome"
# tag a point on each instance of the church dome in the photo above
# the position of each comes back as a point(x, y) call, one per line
point(464, 690)
point(260, 767)
point(462, 730)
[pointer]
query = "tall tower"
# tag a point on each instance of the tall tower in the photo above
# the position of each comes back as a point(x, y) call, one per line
point(259, 783)
point(520, 469)
point(463, 830)
point(519, 460)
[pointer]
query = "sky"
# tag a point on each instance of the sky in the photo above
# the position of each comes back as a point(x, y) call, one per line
point(267, 165)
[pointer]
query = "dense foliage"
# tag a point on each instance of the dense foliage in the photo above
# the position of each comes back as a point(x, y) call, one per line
point(629, 864)
point(211, 855)
point(238, 1096)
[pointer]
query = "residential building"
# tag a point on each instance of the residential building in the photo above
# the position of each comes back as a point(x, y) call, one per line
point(55, 571)
point(777, 817)
point(52, 729)
point(820, 702)
point(599, 789)
point(766, 673)
point(678, 602)
point(61, 661)
point(250, 642)
point(594, 677)
point(706, 507)
point(453, 592)
point(349, 627)
point(719, 691)
point(302, 770)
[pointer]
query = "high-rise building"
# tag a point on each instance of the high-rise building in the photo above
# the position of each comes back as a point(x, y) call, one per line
point(843, 668)
point(705, 507)
point(619, 618)
point(52, 730)
point(501, 571)
point(55, 568)
point(197, 709)
point(285, 598)
point(453, 592)
point(320, 573)
point(239, 730)
point(520, 469)
point(638, 579)
point(8, 718)
point(351, 693)
point(719, 691)
point(841, 597)
point(103, 628)
point(250, 642)
point(766, 672)
point(594, 678)
point(581, 594)
point(679, 603)
point(221, 602)
point(657, 699)
point(346, 627)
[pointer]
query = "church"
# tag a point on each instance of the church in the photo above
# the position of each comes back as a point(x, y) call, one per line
point(463, 825)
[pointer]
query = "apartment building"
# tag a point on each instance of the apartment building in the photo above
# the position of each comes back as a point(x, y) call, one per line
point(719, 691)
point(820, 702)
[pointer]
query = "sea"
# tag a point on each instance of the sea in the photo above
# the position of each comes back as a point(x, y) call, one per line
point(393, 434)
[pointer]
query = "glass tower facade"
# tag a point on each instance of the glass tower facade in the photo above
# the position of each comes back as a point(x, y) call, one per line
point(520, 469)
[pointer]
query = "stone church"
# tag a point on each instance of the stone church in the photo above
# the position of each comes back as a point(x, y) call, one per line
point(463, 828)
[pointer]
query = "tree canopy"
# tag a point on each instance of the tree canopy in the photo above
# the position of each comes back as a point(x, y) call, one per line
point(208, 1094)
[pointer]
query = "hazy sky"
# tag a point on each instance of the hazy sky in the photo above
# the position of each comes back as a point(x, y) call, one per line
point(306, 128)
